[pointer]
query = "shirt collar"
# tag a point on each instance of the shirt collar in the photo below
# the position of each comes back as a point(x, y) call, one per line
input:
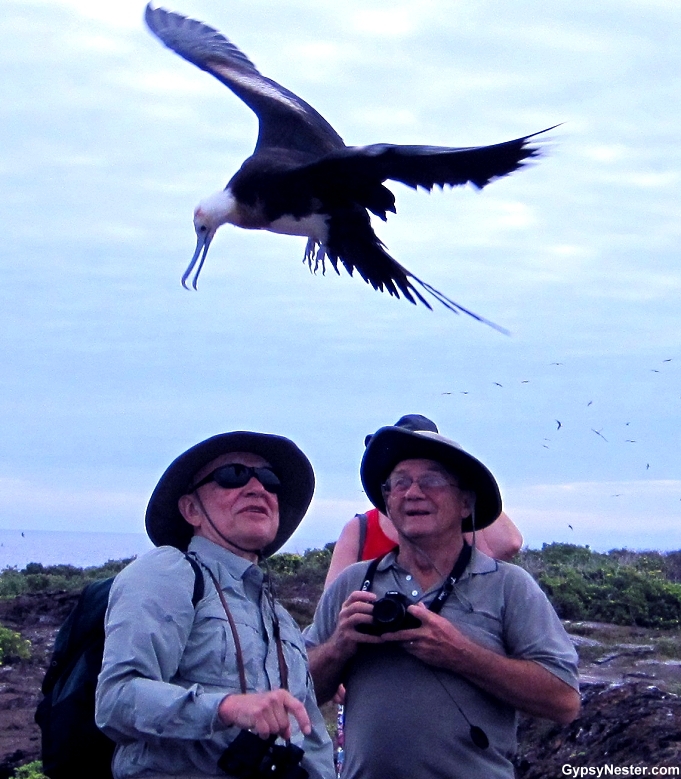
point(479, 563)
point(209, 552)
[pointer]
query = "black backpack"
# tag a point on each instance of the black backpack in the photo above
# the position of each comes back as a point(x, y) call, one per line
point(73, 747)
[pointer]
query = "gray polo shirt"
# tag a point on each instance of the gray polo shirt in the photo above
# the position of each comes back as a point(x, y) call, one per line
point(167, 666)
point(401, 721)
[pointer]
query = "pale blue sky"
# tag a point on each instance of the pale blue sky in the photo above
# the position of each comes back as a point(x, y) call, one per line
point(108, 140)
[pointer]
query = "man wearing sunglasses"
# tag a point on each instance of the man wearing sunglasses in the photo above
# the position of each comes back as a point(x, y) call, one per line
point(182, 677)
point(433, 686)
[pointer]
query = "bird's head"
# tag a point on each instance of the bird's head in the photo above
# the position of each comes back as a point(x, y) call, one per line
point(213, 211)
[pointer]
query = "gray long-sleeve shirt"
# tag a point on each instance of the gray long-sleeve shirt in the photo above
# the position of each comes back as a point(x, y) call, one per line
point(167, 666)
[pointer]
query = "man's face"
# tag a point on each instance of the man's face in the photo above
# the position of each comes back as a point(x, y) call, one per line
point(247, 515)
point(429, 512)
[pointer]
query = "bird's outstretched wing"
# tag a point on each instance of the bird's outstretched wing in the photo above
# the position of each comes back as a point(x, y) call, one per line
point(353, 242)
point(286, 121)
point(353, 168)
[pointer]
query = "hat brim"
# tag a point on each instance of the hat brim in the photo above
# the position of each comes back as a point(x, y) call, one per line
point(391, 445)
point(165, 524)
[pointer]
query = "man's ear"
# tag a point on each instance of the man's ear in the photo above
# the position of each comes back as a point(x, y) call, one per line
point(189, 509)
point(469, 501)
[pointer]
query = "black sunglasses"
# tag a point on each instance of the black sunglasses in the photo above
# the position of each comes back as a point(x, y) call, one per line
point(230, 477)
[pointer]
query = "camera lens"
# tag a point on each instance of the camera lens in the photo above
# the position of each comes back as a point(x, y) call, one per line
point(388, 612)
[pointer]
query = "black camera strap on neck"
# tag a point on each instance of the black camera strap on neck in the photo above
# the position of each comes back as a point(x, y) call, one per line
point(444, 592)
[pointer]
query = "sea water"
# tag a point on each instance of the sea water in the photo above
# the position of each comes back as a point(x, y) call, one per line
point(54, 547)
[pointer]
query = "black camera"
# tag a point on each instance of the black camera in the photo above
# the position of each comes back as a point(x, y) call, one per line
point(390, 614)
point(252, 757)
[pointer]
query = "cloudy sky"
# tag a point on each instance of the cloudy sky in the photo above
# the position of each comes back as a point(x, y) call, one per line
point(110, 369)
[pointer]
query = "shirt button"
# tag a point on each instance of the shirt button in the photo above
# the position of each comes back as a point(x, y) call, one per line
point(408, 577)
point(414, 592)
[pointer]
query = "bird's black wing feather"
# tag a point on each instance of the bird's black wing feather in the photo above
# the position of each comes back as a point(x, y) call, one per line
point(353, 242)
point(286, 121)
point(356, 167)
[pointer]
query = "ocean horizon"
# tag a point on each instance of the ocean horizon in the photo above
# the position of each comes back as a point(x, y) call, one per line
point(18, 548)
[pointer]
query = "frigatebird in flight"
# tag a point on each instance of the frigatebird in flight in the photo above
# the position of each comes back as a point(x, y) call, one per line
point(303, 180)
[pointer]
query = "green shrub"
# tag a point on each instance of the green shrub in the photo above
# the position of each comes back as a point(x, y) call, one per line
point(620, 587)
point(12, 646)
point(30, 771)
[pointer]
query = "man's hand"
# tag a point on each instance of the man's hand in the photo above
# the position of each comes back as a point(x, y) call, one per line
point(328, 660)
point(524, 684)
point(436, 642)
point(267, 713)
point(355, 611)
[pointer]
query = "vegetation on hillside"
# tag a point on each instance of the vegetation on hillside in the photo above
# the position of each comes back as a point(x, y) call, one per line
point(620, 587)
point(36, 577)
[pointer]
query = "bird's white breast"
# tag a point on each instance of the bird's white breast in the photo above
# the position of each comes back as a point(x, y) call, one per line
point(313, 226)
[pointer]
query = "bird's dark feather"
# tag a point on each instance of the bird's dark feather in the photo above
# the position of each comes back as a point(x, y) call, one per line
point(286, 121)
point(418, 166)
point(284, 182)
point(353, 242)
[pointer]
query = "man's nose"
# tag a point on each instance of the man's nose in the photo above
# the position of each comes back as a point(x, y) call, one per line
point(254, 486)
point(414, 490)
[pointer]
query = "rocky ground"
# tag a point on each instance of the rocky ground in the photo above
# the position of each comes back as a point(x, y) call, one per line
point(631, 715)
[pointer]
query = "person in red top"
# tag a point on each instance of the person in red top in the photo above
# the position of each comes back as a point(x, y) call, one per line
point(370, 535)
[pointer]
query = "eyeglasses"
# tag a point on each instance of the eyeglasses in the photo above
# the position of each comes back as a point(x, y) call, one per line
point(428, 481)
point(231, 477)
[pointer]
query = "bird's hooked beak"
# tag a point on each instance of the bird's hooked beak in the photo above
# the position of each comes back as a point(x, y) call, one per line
point(204, 236)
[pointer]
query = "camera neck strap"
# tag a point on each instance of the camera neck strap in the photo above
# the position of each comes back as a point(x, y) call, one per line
point(283, 668)
point(444, 592)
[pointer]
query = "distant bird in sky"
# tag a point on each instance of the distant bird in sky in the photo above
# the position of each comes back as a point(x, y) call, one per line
point(498, 385)
point(303, 180)
point(598, 432)
point(559, 423)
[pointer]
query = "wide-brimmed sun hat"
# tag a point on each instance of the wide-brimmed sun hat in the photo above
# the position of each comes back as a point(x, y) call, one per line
point(165, 524)
point(391, 445)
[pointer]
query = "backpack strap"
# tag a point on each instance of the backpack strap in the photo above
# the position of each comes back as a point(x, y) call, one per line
point(199, 585)
point(363, 523)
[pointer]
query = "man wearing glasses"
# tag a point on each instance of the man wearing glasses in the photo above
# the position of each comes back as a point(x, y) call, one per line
point(433, 688)
point(184, 678)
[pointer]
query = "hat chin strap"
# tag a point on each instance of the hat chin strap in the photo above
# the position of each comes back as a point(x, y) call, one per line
point(473, 520)
point(258, 552)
